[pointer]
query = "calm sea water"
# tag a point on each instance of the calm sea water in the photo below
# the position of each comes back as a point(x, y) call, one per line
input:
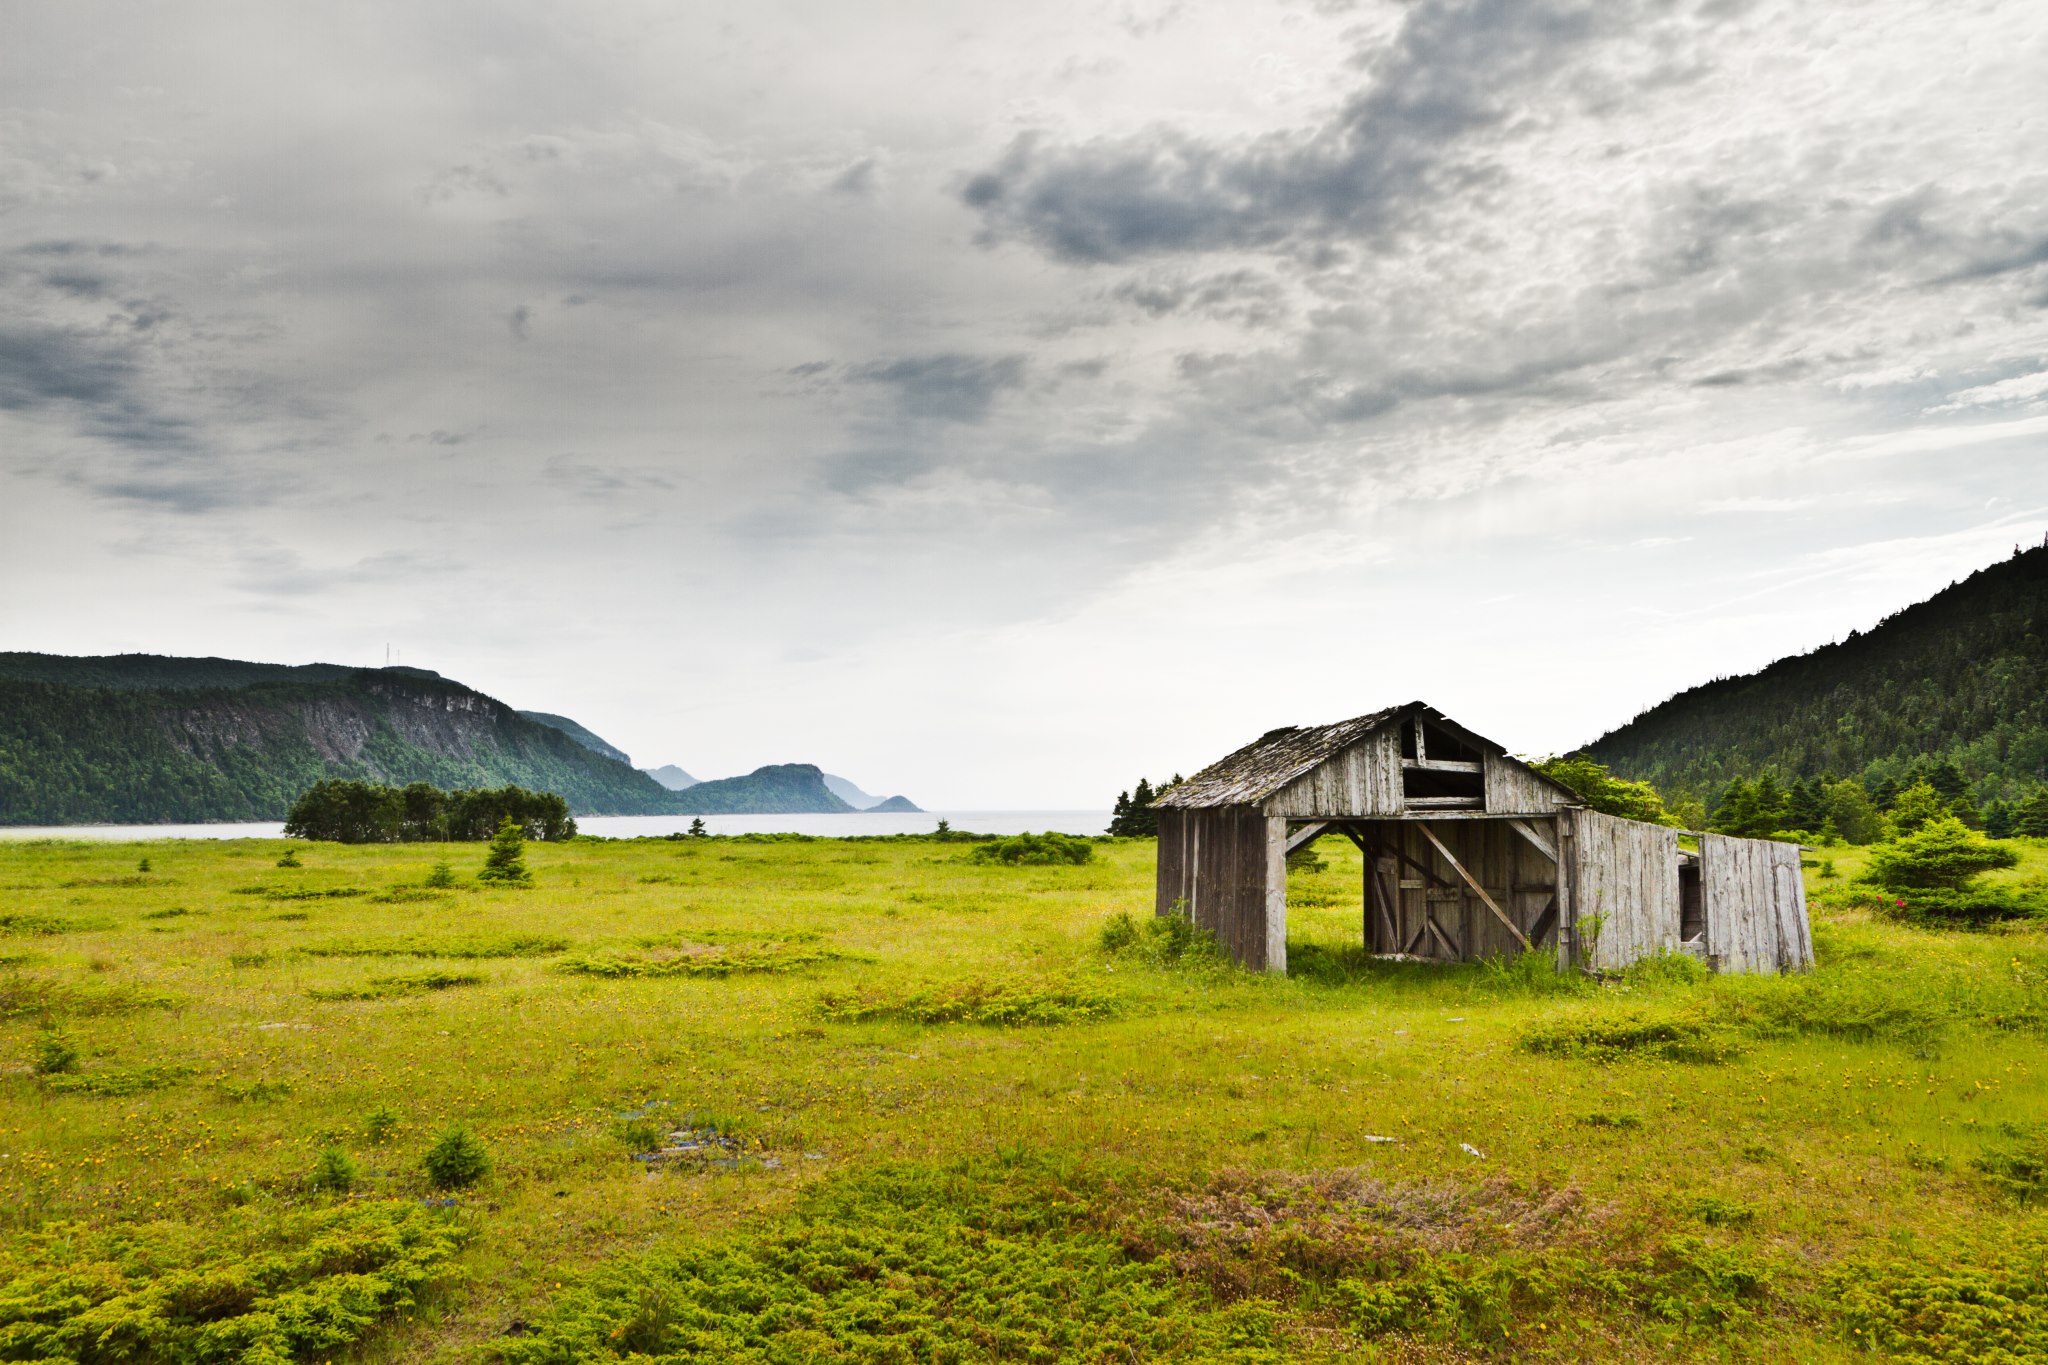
point(632, 826)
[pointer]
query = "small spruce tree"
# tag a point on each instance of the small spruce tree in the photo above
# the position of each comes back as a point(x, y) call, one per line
point(505, 864)
point(456, 1159)
point(1915, 807)
point(697, 829)
point(2030, 819)
point(334, 1171)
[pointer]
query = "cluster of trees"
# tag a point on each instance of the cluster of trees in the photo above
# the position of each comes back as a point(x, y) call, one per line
point(347, 812)
point(1825, 808)
point(1133, 816)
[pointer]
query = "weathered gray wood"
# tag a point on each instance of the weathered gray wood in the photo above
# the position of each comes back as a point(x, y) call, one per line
point(1216, 867)
point(1626, 875)
point(1361, 779)
point(1754, 903)
point(1512, 788)
point(1542, 845)
point(1275, 958)
point(1473, 882)
point(1441, 765)
point(1307, 835)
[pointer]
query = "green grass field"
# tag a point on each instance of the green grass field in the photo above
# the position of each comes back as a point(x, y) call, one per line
point(935, 1120)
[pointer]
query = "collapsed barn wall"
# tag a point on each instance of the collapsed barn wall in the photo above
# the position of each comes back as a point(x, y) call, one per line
point(1755, 905)
point(1624, 888)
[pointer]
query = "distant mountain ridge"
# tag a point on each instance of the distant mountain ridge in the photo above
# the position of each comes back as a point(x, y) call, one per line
point(1961, 677)
point(778, 789)
point(150, 739)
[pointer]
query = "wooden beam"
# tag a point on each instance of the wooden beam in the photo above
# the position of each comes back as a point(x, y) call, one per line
point(1477, 889)
point(1383, 901)
point(1450, 946)
point(1441, 765)
point(1536, 841)
point(1545, 922)
point(1433, 803)
point(1308, 834)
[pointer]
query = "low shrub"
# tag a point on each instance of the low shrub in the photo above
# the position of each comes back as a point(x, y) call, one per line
point(738, 962)
point(1634, 1033)
point(52, 1053)
point(1163, 940)
point(117, 1084)
point(39, 995)
point(385, 987)
point(301, 893)
point(1005, 1003)
point(458, 947)
point(242, 1288)
point(2017, 1163)
point(1049, 849)
point(49, 926)
point(902, 1264)
point(441, 878)
point(1982, 1300)
point(456, 1160)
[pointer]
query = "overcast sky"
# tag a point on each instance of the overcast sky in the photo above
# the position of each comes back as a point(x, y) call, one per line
point(994, 402)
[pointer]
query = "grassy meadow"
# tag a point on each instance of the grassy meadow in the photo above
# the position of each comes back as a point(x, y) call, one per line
point(927, 1115)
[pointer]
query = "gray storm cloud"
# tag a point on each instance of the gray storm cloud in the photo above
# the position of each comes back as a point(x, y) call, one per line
point(968, 344)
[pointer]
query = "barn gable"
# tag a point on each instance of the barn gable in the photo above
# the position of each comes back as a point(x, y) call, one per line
point(1405, 759)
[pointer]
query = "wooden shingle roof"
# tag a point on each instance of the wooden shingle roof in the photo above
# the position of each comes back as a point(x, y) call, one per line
point(1263, 768)
point(1273, 760)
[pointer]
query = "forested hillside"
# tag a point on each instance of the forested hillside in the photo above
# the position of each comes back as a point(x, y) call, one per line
point(1961, 678)
point(144, 739)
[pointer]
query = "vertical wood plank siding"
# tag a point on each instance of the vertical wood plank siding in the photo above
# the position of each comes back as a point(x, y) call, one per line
point(1215, 865)
point(1625, 873)
point(1755, 905)
point(1423, 889)
point(1363, 779)
point(1512, 789)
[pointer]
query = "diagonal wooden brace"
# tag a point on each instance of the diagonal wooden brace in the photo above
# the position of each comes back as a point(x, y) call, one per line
point(1473, 882)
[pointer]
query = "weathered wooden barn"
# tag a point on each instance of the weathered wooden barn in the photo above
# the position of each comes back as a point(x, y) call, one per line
point(1468, 853)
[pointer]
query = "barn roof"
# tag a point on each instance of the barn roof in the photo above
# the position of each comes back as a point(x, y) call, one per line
point(1269, 763)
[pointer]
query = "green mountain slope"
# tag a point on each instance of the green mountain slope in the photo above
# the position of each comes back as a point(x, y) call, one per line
point(1961, 677)
point(145, 739)
point(779, 789)
point(578, 733)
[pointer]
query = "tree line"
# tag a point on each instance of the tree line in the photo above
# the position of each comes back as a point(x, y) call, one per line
point(342, 811)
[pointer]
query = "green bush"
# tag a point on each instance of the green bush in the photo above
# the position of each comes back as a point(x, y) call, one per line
point(1983, 1302)
point(1613, 1037)
point(334, 1172)
point(52, 1053)
point(1035, 850)
point(236, 1291)
point(1163, 940)
point(1007, 1003)
point(1942, 853)
point(456, 1160)
point(442, 877)
point(386, 987)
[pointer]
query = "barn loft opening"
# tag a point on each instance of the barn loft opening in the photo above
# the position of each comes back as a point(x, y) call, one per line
point(1439, 770)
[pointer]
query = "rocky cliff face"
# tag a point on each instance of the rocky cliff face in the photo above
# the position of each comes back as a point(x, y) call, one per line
point(85, 753)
